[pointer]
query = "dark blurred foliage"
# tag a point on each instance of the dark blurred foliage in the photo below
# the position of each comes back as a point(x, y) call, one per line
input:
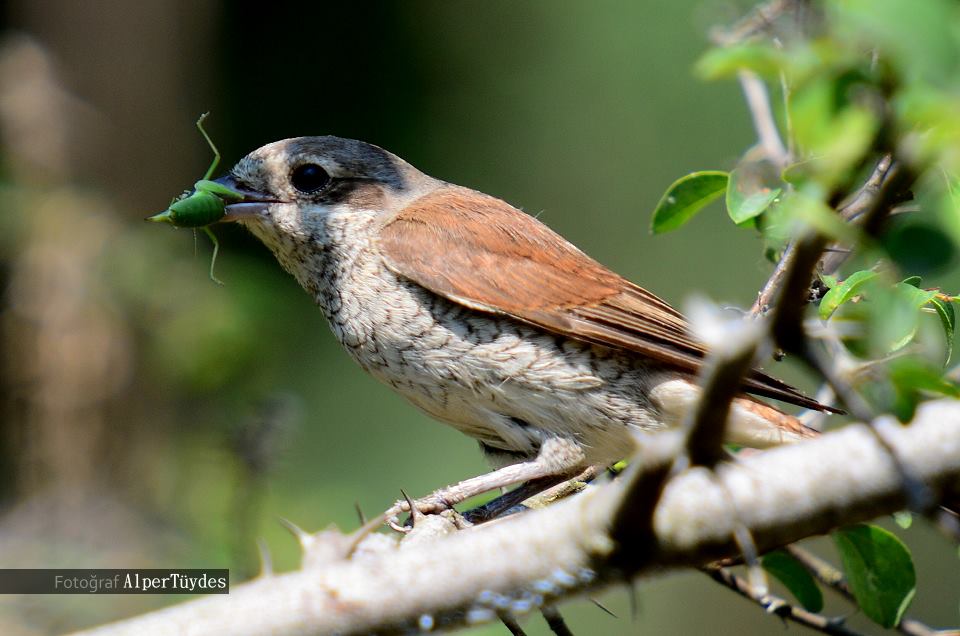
point(152, 418)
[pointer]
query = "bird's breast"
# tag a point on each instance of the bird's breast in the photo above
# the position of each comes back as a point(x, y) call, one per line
point(495, 379)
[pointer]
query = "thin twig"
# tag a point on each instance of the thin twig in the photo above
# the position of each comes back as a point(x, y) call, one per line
point(789, 286)
point(758, 102)
point(854, 209)
point(721, 382)
point(564, 489)
point(634, 598)
point(632, 528)
point(557, 625)
point(787, 93)
point(754, 89)
point(511, 623)
point(757, 21)
point(706, 429)
point(774, 282)
point(947, 520)
point(869, 200)
point(791, 295)
point(833, 579)
point(778, 606)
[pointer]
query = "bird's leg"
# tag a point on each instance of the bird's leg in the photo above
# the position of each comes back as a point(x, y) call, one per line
point(559, 458)
point(548, 488)
point(496, 507)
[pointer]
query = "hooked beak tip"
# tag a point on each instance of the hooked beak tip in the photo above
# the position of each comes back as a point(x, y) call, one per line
point(249, 204)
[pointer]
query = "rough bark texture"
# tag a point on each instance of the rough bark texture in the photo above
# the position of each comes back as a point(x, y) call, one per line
point(544, 556)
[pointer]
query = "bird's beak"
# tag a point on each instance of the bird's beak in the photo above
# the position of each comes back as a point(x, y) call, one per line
point(243, 202)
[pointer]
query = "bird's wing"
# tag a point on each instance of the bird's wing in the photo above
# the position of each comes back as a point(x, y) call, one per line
point(485, 254)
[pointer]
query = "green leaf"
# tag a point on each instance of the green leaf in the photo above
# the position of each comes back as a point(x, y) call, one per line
point(913, 281)
point(777, 226)
point(788, 570)
point(846, 290)
point(726, 62)
point(807, 206)
point(829, 281)
point(797, 62)
point(687, 196)
point(797, 173)
point(923, 107)
point(948, 208)
point(833, 137)
point(916, 296)
point(949, 321)
point(890, 26)
point(746, 200)
point(914, 374)
point(880, 571)
point(918, 247)
point(904, 313)
point(890, 320)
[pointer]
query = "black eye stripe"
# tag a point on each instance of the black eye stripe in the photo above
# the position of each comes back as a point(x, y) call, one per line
point(309, 178)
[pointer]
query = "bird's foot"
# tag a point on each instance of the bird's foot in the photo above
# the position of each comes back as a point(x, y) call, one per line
point(434, 504)
point(558, 459)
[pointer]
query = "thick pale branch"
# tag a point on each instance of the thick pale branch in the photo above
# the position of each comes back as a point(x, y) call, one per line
point(527, 561)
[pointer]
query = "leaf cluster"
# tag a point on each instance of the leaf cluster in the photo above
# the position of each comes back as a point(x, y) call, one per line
point(856, 83)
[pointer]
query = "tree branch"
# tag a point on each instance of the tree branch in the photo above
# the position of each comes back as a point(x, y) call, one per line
point(758, 102)
point(869, 204)
point(537, 558)
point(778, 606)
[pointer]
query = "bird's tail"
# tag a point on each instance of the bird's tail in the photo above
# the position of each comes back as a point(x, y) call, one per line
point(758, 425)
point(751, 423)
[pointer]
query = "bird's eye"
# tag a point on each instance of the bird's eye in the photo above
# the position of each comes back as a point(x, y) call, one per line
point(309, 178)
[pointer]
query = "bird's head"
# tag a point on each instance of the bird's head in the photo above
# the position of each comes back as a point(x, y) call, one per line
point(293, 190)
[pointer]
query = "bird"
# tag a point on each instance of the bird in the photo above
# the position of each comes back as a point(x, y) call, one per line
point(482, 316)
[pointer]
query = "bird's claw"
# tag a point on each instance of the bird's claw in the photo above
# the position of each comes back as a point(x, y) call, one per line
point(432, 504)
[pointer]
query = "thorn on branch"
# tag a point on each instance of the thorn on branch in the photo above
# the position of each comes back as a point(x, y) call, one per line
point(266, 561)
point(304, 538)
point(415, 513)
point(603, 607)
point(362, 517)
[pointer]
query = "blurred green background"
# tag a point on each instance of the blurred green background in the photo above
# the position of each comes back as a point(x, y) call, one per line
point(154, 419)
